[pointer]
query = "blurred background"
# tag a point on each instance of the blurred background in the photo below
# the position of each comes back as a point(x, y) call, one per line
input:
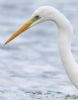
point(30, 66)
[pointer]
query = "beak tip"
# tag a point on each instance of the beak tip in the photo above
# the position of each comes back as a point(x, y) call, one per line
point(22, 29)
point(5, 43)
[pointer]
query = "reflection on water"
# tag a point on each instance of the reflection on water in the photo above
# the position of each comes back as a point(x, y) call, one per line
point(30, 66)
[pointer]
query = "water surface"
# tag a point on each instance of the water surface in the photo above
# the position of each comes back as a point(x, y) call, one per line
point(30, 66)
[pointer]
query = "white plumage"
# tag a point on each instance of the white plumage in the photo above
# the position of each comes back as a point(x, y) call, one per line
point(47, 13)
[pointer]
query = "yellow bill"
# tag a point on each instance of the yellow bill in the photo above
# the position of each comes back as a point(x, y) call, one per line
point(17, 33)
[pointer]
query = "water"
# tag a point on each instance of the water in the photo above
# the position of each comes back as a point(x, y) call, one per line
point(30, 66)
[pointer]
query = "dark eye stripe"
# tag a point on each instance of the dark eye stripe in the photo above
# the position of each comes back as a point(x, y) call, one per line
point(37, 17)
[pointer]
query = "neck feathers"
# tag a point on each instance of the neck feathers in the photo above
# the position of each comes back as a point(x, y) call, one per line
point(65, 37)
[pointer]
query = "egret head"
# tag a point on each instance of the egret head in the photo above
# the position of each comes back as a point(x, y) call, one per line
point(40, 15)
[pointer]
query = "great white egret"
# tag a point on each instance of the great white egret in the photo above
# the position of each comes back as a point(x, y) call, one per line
point(47, 13)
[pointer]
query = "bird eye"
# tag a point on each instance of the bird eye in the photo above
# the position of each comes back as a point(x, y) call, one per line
point(37, 17)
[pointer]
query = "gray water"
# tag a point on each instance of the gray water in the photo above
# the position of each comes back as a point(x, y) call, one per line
point(30, 66)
